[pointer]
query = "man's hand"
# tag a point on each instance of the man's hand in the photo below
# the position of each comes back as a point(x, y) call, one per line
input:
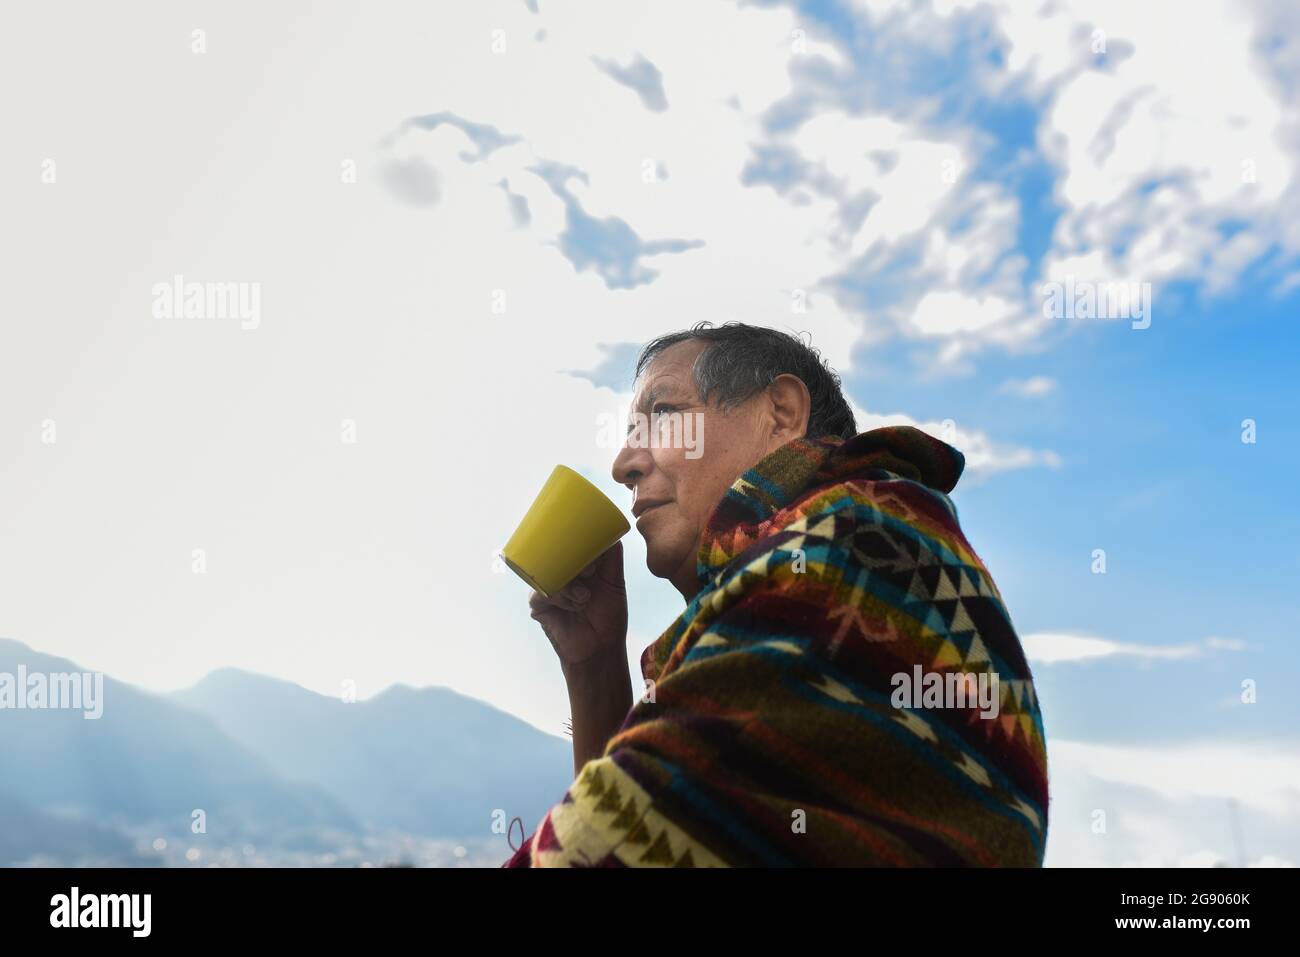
point(589, 615)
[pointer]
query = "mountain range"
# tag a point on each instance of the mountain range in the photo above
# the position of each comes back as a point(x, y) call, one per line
point(244, 768)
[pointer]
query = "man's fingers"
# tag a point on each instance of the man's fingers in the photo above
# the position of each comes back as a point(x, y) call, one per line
point(539, 604)
point(571, 598)
point(610, 565)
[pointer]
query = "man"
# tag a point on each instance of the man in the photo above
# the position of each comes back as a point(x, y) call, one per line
point(844, 686)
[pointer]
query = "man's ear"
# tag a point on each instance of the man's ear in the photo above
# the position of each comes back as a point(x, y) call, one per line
point(791, 408)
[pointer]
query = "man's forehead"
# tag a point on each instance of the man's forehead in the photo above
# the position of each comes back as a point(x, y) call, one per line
point(670, 371)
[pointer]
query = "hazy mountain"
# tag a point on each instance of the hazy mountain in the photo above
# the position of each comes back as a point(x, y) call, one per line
point(284, 775)
point(146, 762)
point(31, 836)
point(428, 761)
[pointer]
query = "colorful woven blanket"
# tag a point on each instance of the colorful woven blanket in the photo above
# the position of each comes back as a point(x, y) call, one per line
point(845, 689)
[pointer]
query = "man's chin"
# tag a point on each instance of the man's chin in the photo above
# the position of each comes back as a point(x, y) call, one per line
point(660, 562)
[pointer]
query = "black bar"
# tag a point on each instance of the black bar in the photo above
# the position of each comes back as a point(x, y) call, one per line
point(214, 905)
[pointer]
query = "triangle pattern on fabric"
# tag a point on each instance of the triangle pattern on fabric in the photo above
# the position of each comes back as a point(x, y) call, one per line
point(824, 527)
point(948, 657)
point(639, 834)
point(944, 589)
point(611, 800)
point(961, 619)
point(627, 817)
point(660, 851)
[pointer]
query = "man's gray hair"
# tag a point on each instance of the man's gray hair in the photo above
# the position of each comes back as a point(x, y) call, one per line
point(742, 360)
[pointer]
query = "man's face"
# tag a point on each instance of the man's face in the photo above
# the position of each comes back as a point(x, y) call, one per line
point(680, 474)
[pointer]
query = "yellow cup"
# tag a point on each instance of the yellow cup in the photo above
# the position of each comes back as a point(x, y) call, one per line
point(569, 524)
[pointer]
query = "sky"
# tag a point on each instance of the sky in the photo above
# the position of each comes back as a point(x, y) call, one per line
point(462, 219)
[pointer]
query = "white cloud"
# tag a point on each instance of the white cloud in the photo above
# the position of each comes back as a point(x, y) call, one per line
point(1225, 644)
point(1173, 805)
point(1157, 152)
point(1051, 648)
point(910, 176)
point(949, 313)
point(1263, 776)
point(984, 456)
point(883, 189)
point(1164, 169)
point(870, 189)
point(1031, 388)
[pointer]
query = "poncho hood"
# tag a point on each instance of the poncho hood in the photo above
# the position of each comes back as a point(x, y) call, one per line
point(804, 465)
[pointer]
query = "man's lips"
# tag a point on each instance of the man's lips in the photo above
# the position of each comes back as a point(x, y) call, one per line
point(640, 508)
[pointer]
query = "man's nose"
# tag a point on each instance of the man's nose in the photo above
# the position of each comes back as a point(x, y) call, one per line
point(631, 463)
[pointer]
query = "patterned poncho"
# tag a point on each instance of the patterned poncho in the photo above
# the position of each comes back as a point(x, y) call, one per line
point(771, 732)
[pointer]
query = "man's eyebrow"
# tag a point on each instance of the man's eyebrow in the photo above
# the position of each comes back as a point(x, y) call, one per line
point(652, 395)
